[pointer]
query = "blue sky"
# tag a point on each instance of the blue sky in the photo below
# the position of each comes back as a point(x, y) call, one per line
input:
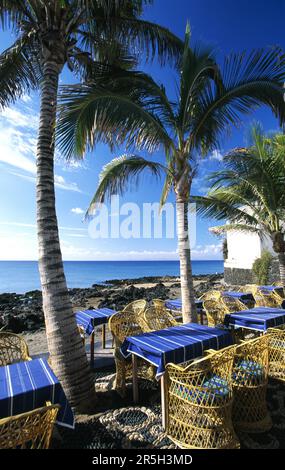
point(228, 25)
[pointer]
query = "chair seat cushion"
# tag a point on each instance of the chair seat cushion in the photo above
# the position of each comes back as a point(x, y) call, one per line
point(248, 373)
point(211, 390)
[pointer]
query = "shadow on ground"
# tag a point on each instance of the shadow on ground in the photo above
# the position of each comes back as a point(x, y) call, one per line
point(119, 424)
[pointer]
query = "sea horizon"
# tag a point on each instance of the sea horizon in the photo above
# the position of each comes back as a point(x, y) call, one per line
point(18, 276)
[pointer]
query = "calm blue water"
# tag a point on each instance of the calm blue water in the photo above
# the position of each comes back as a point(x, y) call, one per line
point(23, 276)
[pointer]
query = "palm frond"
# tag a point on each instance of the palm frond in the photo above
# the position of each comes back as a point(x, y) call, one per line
point(117, 175)
point(217, 207)
point(91, 114)
point(248, 83)
point(20, 69)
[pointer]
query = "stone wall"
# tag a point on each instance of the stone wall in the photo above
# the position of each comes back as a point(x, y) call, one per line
point(238, 276)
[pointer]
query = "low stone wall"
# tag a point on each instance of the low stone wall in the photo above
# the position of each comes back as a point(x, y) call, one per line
point(238, 276)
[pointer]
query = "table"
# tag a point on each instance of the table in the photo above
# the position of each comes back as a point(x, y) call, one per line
point(258, 318)
point(177, 344)
point(89, 319)
point(176, 304)
point(28, 385)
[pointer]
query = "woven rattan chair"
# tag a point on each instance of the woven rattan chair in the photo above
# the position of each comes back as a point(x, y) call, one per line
point(215, 312)
point(13, 348)
point(121, 325)
point(136, 308)
point(158, 318)
point(267, 299)
point(199, 401)
point(176, 314)
point(276, 351)
point(211, 295)
point(250, 378)
point(30, 430)
point(231, 304)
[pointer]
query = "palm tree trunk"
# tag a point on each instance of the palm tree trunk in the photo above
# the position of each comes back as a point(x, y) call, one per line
point(189, 312)
point(281, 260)
point(67, 353)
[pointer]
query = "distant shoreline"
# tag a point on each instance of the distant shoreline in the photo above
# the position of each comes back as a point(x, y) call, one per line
point(23, 312)
point(23, 276)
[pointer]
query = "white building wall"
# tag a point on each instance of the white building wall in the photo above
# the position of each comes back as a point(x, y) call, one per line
point(244, 248)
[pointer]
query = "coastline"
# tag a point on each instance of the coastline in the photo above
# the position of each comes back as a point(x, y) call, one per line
point(22, 313)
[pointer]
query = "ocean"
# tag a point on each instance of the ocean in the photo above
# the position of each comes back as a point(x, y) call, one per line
point(23, 276)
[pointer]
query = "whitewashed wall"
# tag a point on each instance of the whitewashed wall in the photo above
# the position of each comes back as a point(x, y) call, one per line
point(244, 248)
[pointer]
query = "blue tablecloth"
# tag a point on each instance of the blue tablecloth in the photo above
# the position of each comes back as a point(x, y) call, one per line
point(176, 344)
point(28, 385)
point(269, 288)
point(89, 319)
point(258, 318)
point(177, 304)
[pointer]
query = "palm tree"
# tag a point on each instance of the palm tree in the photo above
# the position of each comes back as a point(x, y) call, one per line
point(250, 191)
point(80, 34)
point(136, 110)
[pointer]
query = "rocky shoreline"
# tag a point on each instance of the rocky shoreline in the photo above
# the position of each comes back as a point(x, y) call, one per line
point(23, 312)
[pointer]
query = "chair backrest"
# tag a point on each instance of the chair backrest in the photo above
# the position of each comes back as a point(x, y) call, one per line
point(265, 298)
point(251, 362)
point(30, 430)
point(215, 312)
point(158, 318)
point(123, 324)
point(211, 295)
point(196, 395)
point(158, 303)
point(13, 348)
point(232, 304)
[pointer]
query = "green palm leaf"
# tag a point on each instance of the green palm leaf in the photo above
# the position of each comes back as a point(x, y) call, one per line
point(117, 175)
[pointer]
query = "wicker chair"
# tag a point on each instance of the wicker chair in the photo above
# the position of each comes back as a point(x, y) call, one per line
point(176, 314)
point(158, 303)
point(136, 308)
point(215, 312)
point(158, 318)
point(266, 299)
point(231, 304)
point(211, 295)
point(276, 351)
point(250, 378)
point(199, 401)
point(30, 430)
point(121, 325)
point(13, 348)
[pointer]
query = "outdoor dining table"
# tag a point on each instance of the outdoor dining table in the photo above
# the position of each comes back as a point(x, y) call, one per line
point(176, 345)
point(89, 320)
point(25, 386)
point(258, 318)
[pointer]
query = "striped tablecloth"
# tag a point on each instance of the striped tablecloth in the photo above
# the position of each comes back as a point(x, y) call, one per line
point(177, 304)
point(176, 344)
point(89, 319)
point(28, 385)
point(258, 318)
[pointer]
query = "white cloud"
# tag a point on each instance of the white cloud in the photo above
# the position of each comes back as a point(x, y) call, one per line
point(26, 99)
point(216, 155)
point(77, 210)
point(17, 118)
point(18, 146)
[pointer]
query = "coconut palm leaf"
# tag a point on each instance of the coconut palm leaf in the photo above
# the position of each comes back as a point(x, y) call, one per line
point(248, 83)
point(91, 114)
point(117, 175)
